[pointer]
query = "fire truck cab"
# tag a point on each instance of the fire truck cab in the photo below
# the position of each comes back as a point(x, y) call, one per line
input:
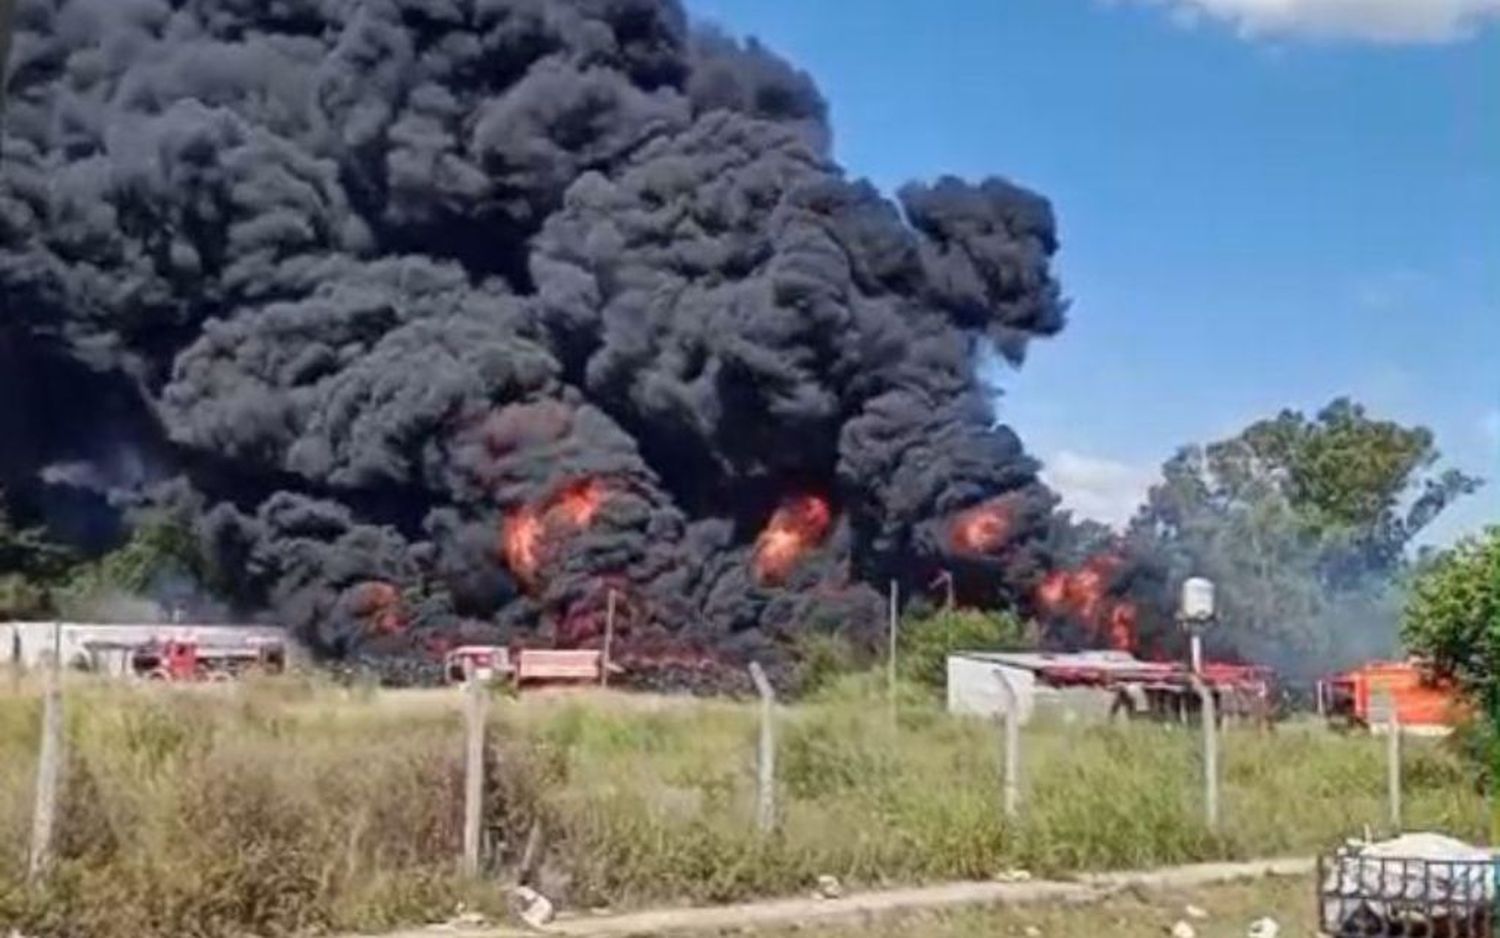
point(486, 662)
point(1355, 698)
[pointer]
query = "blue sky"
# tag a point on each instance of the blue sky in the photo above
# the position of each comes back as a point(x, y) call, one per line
point(1262, 203)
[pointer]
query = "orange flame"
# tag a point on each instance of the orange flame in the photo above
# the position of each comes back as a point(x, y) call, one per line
point(984, 528)
point(527, 529)
point(580, 501)
point(521, 543)
point(797, 526)
point(1081, 595)
point(379, 604)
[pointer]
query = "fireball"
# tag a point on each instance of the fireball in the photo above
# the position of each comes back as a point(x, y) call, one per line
point(379, 604)
point(578, 502)
point(521, 543)
point(797, 526)
point(983, 529)
point(1081, 595)
point(529, 529)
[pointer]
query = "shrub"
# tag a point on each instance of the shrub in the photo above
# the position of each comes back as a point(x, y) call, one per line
point(926, 643)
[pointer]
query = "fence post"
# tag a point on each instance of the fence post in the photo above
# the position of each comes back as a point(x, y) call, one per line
point(1393, 760)
point(890, 676)
point(474, 716)
point(1210, 754)
point(765, 780)
point(609, 639)
point(1011, 782)
point(49, 768)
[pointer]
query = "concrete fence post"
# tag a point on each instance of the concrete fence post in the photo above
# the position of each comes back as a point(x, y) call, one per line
point(1393, 760)
point(765, 768)
point(890, 664)
point(474, 720)
point(609, 639)
point(48, 769)
point(1011, 778)
point(1210, 754)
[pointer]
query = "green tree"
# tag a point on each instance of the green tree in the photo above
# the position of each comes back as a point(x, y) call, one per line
point(31, 565)
point(924, 644)
point(1453, 614)
point(160, 548)
point(1305, 525)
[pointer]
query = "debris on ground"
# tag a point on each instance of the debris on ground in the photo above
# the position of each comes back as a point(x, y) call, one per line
point(1031, 931)
point(533, 908)
point(1013, 876)
point(1263, 928)
point(1183, 930)
point(464, 918)
point(1195, 912)
point(829, 887)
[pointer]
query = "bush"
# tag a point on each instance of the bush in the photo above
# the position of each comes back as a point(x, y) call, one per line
point(926, 643)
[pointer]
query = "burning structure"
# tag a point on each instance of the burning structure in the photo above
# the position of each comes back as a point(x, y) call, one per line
point(447, 321)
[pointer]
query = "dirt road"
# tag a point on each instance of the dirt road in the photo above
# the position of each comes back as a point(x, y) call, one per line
point(864, 907)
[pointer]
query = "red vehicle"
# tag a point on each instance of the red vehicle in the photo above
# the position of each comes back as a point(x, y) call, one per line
point(1162, 690)
point(1422, 703)
point(179, 660)
point(526, 665)
point(486, 662)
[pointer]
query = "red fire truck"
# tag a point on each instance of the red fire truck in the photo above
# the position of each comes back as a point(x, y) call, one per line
point(1356, 698)
point(180, 660)
point(526, 666)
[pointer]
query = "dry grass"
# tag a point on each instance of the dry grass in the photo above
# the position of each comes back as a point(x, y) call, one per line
point(289, 806)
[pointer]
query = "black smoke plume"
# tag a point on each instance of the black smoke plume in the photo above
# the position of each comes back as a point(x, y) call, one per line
point(449, 317)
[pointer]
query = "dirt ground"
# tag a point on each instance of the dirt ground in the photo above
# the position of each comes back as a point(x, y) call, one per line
point(1230, 909)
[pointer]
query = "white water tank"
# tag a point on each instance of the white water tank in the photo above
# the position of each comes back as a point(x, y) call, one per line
point(1197, 601)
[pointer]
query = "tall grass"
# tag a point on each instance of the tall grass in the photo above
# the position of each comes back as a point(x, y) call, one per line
point(281, 807)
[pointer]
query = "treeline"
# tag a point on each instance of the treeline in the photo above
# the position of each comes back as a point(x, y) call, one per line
point(40, 577)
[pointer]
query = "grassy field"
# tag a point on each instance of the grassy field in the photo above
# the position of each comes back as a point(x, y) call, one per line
point(291, 805)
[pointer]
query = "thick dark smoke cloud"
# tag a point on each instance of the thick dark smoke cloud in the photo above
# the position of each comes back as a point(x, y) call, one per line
point(371, 280)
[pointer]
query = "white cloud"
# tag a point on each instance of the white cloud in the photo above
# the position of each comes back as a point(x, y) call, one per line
point(1389, 21)
point(1101, 489)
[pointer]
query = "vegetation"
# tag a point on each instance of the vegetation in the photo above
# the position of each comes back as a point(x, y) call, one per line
point(30, 565)
point(39, 577)
point(285, 806)
point(925, 643)
point(1453, 616)
point(1453, 619)
point(1305, 525)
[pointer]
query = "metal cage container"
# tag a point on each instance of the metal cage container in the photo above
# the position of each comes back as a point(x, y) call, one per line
point(1394, 897)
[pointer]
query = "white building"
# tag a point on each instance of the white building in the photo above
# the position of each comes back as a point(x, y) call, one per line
point(975, 685)
point(106, 646)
